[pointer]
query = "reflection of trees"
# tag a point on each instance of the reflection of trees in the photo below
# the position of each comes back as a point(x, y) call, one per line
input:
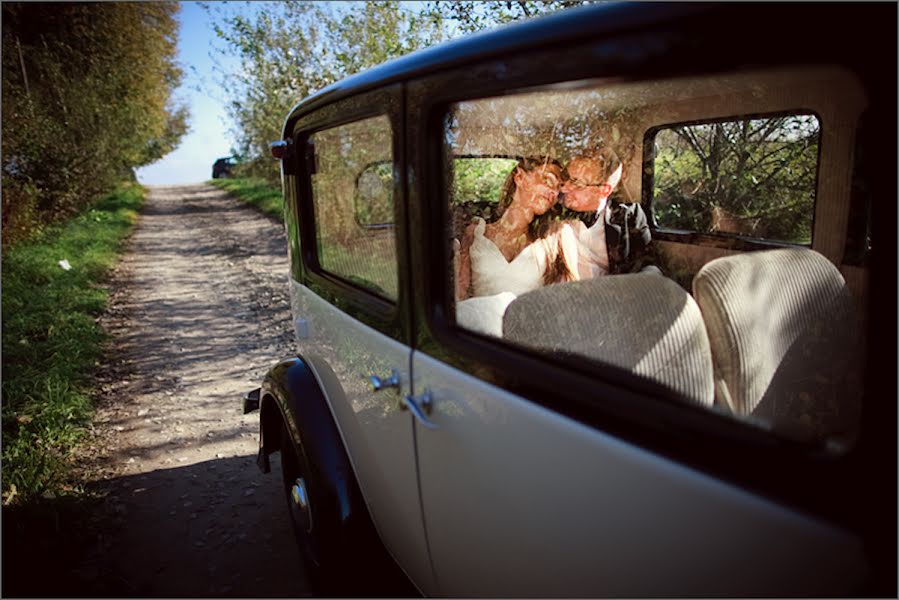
point(754, 176)
point(362, 255)
point(341, 154)
point(480, 179)
point(556, 124)
point(374, 195)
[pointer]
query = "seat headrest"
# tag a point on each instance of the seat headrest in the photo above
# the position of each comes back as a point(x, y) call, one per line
point(783, 331)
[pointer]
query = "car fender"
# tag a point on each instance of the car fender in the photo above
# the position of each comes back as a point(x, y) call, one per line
point(291, 388)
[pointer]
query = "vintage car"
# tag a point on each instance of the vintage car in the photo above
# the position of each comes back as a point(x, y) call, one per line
point(723, 423)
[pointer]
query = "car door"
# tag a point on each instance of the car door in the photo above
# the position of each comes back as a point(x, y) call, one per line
point(545, 474)
point(351, 309)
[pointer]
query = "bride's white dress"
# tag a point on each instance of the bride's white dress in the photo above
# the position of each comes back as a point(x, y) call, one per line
point(497, 281)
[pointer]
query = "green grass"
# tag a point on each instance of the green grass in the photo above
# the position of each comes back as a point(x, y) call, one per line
point(52, 342)
point(257, 192)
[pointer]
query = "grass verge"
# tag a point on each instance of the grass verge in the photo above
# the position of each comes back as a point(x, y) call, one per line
point(52, 342)
point(257, 192)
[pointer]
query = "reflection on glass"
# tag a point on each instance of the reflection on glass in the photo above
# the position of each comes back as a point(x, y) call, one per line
point(553, 252)
point(374, 195)
point(352, 193)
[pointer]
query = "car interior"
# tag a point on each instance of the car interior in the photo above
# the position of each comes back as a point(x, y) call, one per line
point(747, 183)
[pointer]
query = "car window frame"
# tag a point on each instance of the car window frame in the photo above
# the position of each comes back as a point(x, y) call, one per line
point(365, 304)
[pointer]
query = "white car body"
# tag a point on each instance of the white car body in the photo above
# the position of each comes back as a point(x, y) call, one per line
point(477, 488)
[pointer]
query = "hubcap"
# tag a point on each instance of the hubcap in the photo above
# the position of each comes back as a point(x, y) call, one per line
point(300, 504)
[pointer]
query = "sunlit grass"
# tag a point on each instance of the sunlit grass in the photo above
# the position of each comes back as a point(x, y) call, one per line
point(258, 192)
point(52, 342)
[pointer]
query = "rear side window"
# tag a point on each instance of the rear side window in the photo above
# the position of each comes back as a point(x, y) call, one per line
point(352, 194)
point(753, 177)
point(550, 205)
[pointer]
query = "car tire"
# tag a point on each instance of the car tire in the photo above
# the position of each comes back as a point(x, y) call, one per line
point(340, 559)
point(295, 471)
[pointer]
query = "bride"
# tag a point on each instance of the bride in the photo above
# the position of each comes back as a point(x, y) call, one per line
point(503, 256)
point(496, 262)
point(529, 245)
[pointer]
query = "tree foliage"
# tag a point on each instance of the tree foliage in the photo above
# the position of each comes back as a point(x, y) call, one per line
point(471, 16)
point(87, 97)
point(752, 176)
point(288, 50)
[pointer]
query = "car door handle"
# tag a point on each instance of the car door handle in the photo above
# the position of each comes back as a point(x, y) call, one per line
point(418, 407)
point(378, 384)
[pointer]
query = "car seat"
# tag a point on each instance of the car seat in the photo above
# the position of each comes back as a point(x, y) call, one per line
point(644, 323)
point(783, 333)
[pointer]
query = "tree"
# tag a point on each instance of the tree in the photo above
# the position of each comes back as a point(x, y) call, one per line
point(87, 96)
point(751, 176)
point(288, 50)
point(470, 16)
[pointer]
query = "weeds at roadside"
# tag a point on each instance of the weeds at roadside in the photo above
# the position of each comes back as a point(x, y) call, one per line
point(52, 296)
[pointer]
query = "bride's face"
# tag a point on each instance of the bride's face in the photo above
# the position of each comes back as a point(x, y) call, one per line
point(538, 189)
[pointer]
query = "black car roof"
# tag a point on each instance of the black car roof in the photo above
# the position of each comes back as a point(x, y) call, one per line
point(562, 27)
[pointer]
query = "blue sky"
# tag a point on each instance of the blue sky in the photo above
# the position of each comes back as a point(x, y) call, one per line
point(208, 137)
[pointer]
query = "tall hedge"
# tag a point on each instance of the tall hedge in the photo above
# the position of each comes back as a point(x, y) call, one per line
point(87, 97)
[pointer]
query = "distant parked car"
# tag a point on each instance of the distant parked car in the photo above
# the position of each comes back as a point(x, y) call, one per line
point(222, 167)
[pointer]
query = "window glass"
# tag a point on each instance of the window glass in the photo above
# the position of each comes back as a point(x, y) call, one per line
point(553, 251)
point(476, 187)
point(352, 194)
point(374, 195)
point(753, 177)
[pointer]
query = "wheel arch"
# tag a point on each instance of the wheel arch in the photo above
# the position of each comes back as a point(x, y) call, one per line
point(295, 401)
point(291, 395)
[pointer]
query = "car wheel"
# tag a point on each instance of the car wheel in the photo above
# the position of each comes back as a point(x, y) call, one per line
point(342, 558)
point(296, 480)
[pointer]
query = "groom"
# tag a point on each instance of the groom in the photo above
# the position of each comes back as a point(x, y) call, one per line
point(619, 240)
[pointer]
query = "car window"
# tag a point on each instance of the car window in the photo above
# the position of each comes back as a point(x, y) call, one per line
point(352, 196)
point(554, 249)
point(476, 187)
point(752, 177)
point(374, 196)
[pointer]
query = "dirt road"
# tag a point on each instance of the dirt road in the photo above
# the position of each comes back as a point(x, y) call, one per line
point(198, 313)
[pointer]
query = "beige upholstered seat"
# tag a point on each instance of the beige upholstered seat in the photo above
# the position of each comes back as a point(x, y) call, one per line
point(644, 323)
point(784, 340)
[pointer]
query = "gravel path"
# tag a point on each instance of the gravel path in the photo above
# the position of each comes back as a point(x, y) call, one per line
point(199, 312)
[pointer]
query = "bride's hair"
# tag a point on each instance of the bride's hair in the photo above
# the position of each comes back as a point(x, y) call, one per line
point(528, 164)
point(549, 235)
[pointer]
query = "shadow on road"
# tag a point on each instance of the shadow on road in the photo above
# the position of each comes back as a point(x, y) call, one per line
point(217, 536)
point(230, 538)
point(199, 311)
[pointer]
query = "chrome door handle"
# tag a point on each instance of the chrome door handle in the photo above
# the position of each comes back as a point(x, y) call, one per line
point(378, 384)
point(417, 411)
